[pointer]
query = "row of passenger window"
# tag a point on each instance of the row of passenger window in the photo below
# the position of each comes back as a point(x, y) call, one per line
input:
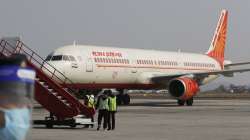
point(111, 60)
point(60, 57)
point(208, 65)
point(159, 62)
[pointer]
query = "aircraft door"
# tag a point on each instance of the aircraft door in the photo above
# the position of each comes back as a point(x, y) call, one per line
point(74, 65)
point(89, 65)
point(134, 69)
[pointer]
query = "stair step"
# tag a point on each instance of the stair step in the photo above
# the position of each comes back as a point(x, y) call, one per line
point(50, 89)
point(42, 83)
point(64, 101)
point(54, 93)
point(59, 97)
point(65, 89)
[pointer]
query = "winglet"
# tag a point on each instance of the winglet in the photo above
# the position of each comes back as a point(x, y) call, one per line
point(218, 43)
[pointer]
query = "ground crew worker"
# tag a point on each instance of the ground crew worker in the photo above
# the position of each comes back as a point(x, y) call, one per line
point(102, 106)
point(91, 101)
point(16, 92)
point(112, 110)
point(91, 104)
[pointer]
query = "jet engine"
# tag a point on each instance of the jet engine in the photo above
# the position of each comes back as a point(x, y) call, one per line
point(183, 88)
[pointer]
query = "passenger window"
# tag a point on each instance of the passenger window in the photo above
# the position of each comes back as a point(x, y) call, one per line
point(65, 58)
point(56, 58)
point(72, 58)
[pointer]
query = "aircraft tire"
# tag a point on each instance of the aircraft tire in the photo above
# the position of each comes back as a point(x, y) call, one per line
point(180, 102)
point(119, 99)
point(72, 125)
point(49, 125)
point(126, 99)
point(190, 102)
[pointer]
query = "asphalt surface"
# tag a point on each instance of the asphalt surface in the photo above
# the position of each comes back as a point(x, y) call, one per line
point(158, 119)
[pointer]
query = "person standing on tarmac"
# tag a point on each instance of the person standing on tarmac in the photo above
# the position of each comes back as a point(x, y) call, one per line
point(112, 110)
point(102, 106)
point(16, 92)
point(91, 104)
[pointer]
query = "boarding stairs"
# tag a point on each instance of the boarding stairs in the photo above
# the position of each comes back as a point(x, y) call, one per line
point(58, 100)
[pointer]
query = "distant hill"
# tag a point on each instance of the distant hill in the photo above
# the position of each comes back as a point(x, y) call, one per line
point(214, 85)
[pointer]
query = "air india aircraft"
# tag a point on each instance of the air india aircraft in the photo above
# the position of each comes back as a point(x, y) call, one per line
point(98, 67)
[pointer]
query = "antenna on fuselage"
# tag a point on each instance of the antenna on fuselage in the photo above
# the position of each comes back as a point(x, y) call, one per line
point(179, 50)
point(74, 43)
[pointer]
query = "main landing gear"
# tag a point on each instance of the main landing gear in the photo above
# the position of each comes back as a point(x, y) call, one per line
point(188, 102)
point(122, 98)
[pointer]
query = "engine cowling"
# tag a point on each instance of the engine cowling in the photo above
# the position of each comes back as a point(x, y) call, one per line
point(183, 88)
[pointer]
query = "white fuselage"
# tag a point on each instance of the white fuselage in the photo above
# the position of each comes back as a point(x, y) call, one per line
point(109, 67)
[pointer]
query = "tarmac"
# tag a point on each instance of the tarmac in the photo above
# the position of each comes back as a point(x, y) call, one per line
point(162, 119)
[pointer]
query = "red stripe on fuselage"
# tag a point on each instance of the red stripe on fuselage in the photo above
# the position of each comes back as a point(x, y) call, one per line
point(152, 67)
point(111, 85)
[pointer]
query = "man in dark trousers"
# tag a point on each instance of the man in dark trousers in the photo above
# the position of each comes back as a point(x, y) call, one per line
point(102, 106)
point(112, 110)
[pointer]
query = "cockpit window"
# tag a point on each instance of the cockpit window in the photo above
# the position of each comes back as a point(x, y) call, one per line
point(56, 58)
point(48, 58)
point(65, 58)
point(72, 58)
point(60, 57)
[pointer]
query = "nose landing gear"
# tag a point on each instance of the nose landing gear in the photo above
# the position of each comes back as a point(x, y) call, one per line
point(122, 98)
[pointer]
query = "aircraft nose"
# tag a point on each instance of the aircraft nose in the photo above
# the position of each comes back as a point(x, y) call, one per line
point(54, 70)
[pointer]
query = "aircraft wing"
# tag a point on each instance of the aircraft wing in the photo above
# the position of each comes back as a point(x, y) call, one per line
point(195, 75)
point(237, 64)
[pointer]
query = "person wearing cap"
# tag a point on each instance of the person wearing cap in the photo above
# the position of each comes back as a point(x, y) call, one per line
point(16, 92)
point(112, 110)
point(102, 106)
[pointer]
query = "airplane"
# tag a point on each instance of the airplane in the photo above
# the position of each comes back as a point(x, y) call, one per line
point(98, 67)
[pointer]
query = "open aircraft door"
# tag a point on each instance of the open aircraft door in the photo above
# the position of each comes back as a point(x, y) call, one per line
point(89, 65)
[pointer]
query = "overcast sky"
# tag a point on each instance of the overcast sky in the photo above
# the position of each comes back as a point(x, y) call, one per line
point(152, 24)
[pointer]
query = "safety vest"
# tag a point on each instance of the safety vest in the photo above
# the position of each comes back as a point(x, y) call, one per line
point(103, 104)
point(112, 103)
point(91, 102)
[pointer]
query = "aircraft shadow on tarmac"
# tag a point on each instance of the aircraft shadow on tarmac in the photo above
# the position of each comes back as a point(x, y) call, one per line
point(174, 104)
point(156, 104)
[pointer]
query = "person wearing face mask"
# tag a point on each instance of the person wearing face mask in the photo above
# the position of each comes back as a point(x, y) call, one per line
point(16, 93)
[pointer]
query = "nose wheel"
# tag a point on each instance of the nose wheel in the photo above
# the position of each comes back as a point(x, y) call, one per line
point(122, 98)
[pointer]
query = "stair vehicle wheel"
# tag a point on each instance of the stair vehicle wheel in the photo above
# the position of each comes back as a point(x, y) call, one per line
point(73, 125)
point(189, 102)
point(126, 99)
point(49, 125)
point(180, 102)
